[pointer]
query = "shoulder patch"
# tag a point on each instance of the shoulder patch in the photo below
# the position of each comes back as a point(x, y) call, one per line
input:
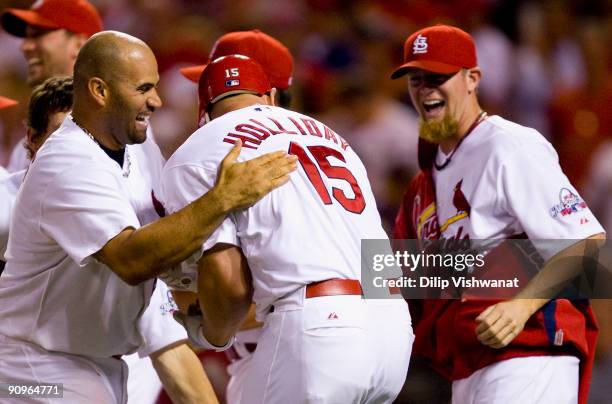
point(569, 203)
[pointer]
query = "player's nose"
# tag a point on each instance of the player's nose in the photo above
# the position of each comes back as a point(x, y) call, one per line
point(154, 101)
point(27, 45)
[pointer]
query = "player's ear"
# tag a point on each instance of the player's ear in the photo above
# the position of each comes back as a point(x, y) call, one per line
point(273, 97)
point(98, 90)
point(473, 79)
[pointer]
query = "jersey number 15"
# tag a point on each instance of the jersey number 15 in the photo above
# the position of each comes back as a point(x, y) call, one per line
point(321, 153)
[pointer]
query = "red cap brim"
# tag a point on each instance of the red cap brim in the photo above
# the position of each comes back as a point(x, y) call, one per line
point(193, 73)
point(436, 67)
point(14, 21)
point(6, 102)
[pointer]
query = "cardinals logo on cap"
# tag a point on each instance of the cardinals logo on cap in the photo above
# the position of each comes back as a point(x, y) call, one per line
point(419, 45)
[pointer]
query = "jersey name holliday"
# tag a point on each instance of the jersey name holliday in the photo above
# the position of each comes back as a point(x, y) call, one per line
point(253, 132)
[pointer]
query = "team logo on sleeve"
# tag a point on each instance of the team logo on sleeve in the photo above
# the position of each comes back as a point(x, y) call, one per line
point(169, 306)
point(569, 203)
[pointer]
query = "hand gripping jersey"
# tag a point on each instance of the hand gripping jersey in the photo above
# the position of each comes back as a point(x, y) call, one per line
point(504, 180)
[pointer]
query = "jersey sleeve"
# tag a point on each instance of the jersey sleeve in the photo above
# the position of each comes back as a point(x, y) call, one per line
point(181, 185)
point(83, 208)
point(540, 196)
point(157, 325)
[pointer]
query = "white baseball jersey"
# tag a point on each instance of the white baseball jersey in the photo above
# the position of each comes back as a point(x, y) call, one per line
point(53, 293)
point(305, 231)
point(159, 330)
point(19, 158)
point(504, 180)
point(9, 185)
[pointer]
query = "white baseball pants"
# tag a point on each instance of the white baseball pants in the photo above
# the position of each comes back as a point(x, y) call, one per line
point(332, 349)
point(530, 380)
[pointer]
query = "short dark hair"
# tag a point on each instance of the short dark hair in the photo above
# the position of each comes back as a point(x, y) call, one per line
point(284, 97)
point(53, 95)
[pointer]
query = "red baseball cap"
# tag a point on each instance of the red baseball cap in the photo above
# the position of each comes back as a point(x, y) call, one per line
point(230, 75)
point(440, 49)
point(193, 73)
point(272, 55)
point(77, 16)
point(6, 102)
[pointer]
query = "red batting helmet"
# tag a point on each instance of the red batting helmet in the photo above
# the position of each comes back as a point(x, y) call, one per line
point(230, 75)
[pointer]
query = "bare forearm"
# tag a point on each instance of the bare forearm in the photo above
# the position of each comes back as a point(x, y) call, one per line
point(225, 320)
point(558, 272)
point(250, 322)
point(224, 292)
point(223, 312)
point(141, 254)
point(138, 255)
point(182, 375)
point(499, 324)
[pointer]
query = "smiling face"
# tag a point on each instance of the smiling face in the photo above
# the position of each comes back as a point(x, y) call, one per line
point(49, 53)
point(133, 97)
point(444, 101)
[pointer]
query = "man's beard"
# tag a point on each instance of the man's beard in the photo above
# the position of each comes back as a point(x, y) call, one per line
point(438, 131)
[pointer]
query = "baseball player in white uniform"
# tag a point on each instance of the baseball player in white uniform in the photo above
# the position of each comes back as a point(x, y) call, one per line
point(277, 62)
point(48, 106)
point(52, 32)
point(321, 341)
point(489, 178)
point(77, 253)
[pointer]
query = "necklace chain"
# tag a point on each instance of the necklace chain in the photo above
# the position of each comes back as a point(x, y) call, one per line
point(128, 161)
point(481, 117)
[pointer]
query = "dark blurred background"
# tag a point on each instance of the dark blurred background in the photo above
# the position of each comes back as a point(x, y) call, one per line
point(546, 64)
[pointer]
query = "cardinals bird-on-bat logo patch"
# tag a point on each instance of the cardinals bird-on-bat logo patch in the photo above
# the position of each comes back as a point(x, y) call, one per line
point(460, 201)
point(462, 205)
